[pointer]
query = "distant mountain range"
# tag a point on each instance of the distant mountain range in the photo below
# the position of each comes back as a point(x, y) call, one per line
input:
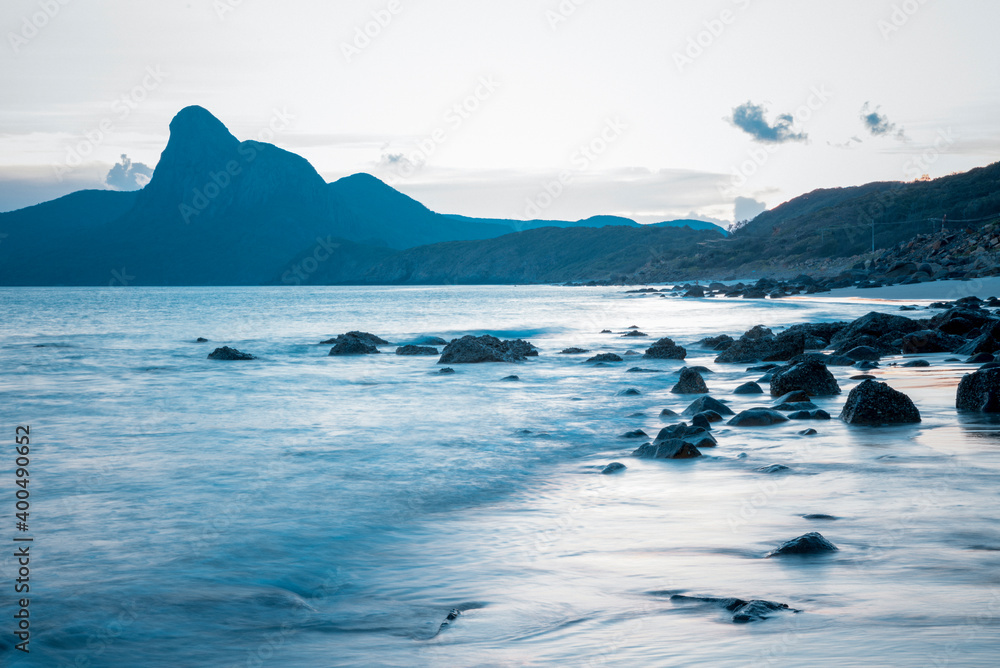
point(218, 211)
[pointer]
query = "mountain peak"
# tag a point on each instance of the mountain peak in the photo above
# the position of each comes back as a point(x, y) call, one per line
point(195, 126)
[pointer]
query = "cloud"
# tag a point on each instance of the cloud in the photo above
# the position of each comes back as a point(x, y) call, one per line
point(850, 143)
point(879, 125)
point(128, 175)
point(747, 208)
point(749, 117)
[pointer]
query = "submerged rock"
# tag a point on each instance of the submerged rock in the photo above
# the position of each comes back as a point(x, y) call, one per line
point(574, 351)
point(201, 339)
point(347, 344)
point(976, 390)
point(759, 344)
point(875, 403)
point(743, 611)
point(447, 370)
point(670, 449)
point(817, 414)
point(690, 382)
point(810, 543)
point(227, 354)
point(773, 468)
point(630, 392)
point(364, 336)
point(430, 341)
point(749, 388)
point(666, 349)
point(613, 467)
point(416, 350)
point(757, 417)
point(638, 433)
point(819, 517)
point(510, 379)
point(486, 348)
point(703, 404)
point(606, 357)
point(863, 353)
point(813, 378)
point(912, 364)
point(666, 412)
point(981, 358)
point(808, 432)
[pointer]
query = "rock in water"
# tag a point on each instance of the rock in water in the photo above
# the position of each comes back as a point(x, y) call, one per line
point(818, 414)
point(749, 388)
point(613, 467)
point(228, 354)
point(874, 403)
point(743, 612)
point(416, 350)
point(810, 543)
point(606, 357)
point(976, 388)
point(574, 351)
point(486, 348)
point(690, 382)
point(446, 370)
point(202, 339)
point(773, 468)
point(761, 345)
point(811, 377)
point(863, 353)
point(430, 341)
point(757, 417)
point(353, 345)
point(708, 404)
point(638, 433)
point(364, 336)
point(670, 449)
point(666, 349)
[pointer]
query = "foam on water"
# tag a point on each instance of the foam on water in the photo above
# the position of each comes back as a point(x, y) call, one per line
point(309, 510)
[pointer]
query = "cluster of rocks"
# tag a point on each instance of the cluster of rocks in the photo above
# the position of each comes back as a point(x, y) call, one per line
point(355, 343)
point(486, 348)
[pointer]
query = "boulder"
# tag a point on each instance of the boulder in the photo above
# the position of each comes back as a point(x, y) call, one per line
point(815, 414)
point(757, 417)
point(795, 406)
point(670, 449)
point(721, 342)
point(710, 416)
point(606, 357)
point(987, 342)
point(634, 333)
point(700, 420)
point(667, 413)
point(875, 325)
point(810, 543)
point(227, 354)
point(511, 378)
point(574, 351)
point(761, 345)
point(981, 358)
point(808, 432)
point(446, 371)
point(978, 390)
point(743, 612)
point(773, 468)
point(813, 378)
point(875, 403)
point(613, 467)
point(697, 436)
point(201, 339)
point(915, 363)
point(637, 369)
point(795, 396)
point(416, 350)
point(926, 341)
point(695, 291)
point(749, 388)
point(828, 360)
point(708, 404)
point(486, 348)
point(348, 344)
point(638, 433)
point(430, 341)
point(961, 320)
point(630, 392)
point(863, 353)
point(364, 336)
point(666, 349)
point(690, 382)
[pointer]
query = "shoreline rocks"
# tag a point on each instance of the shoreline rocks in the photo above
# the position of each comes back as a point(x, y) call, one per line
point(479, 349)
point(875, 403)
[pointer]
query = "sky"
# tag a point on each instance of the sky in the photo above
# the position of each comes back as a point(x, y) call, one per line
point(560, 109)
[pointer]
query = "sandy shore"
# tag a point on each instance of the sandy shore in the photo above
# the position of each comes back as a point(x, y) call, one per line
point(936, 291)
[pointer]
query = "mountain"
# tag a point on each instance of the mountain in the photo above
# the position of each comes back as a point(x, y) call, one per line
point(220, 211)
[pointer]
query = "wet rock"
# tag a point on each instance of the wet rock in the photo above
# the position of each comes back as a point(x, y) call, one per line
point(813, 378)
point(981, 358)
point(670, 449)
point(710, 415)
point(927, 341)
point(416, 350)
point(690, 382)
point(976, 390)
point(348, 344)
point(511, 379)
point(486, 348)
point(749, 388)
point(792, 406)
point(757, 417)
point(864, 376)
point(708, 404)
point(700, 420)
point(638, 433)
point(630, 392)
point(816, 414)
point(696, 291)
point(606, 357)
point(773, 468)
point(828, 360)
point(819, 517)
point(430, 341)
point(762, 368)
point(987, 342)
point(364, 336)
point(875, 403)
point(201, 339)
point(718, 343)
point(743, 612)
point(866, 366)
point(863, 353)
point(613, 467)
point(666, 412)
point(697, 436)
point(912, 364)
point(666, 349)
point(446, 371)
point(574, 351)
point(810, 543)
point(875, 325)
point(761, 345)
point(637, 369)
point(634, 333)
point(795, 396)
point(703, 370)
point(606, 331)
point(808, 432)
point(227, 354)
point(961, 320)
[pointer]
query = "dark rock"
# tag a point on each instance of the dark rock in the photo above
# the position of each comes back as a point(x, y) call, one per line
point(486, 348)
point(416, 350)
point(808, 432)
point(773, 468)
point(791, 406)
point(863, 353)
point(700, 369)
point(638, 433)
point(981, 358)
point(671, 449)
point(574, 351)
point(795, 396)
point(637, 369)
point(976, 390)
point(606, 357)
point(987, 342)
point(876, 325)
point(762, 368)
point(707, 404)
point(749, 388)
point(927, 341)
point(813, 378)
point(364, 336)
point(511, 378)
point(915, 363)
point(430, 341)
point(866, 366)
point(810, 543)
point(201, 340)
point(864, 376)
point(961, 320)
point(227, 354)
point(613, 467)
point(446, 370)
point(690, 382)
point(700, 420)
point(761, 345)
point(696, 436)
point(666, 412)
point(666, 349)
point(743, 612)
point(875, 403)
point(695, 291)
point(347, 344)
point(721, 342)
point(634, 333)
point(630, 392)
point(819, 517)
point(606, 331)
point(711, 416)
point(828, 360)
point(757, 417)
point(816, 414)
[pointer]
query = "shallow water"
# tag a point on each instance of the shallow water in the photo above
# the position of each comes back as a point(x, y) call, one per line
point(303, 510)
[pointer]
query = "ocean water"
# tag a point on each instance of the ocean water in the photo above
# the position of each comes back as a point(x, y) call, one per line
point(305, 510)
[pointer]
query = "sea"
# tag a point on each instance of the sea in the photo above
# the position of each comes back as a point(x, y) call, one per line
point(308, 510)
